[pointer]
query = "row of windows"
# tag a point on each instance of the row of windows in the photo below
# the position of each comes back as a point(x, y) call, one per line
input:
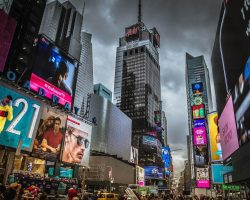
point(134, 51)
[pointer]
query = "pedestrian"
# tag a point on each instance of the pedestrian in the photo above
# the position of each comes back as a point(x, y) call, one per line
point(72, 193)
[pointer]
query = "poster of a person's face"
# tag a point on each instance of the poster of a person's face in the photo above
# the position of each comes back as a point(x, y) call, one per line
point(50, 134)
point(76, 147)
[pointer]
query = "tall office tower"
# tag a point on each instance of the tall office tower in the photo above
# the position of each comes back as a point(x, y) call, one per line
point(137, 90)
point(28, 16)
point(62, 23)
point(199, 103)
point(164, 130)
point(85, 82)
point(101, 90)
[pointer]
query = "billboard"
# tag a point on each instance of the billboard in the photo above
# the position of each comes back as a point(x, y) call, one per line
point(214, 137)
point(76, 148)
point(18, 118)
point(140, 174)
point(198, 111)
point(228, 132)
point(218, 170)
point(151, 141)
point(200, 137)
point(201, 156)
point(241, 104)
point(153, 172)
point(50, 134)
point(7, 30)
point(53, 72)
point(166, 159)
point(132, 32)
point(199, 123)
point(197, 87)
point(134, 155)
point(202, 177)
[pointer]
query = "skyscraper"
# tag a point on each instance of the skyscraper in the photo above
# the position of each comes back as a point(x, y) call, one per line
point(137, 90)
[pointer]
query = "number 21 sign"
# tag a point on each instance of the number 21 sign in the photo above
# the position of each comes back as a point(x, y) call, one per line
point(19, 116)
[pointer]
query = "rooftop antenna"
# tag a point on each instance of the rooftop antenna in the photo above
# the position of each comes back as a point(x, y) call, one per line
point(139, 12)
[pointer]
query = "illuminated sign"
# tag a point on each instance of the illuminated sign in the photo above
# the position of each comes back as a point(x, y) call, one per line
point(201, 156)
point(166, 158)
point(153, 172)
point(218, 170)
point(197, 87)
point(198, 111)
point(53, 73)
point(214, 137)
point(132, 31)
point(200, 136)
point(198, 100)
point(199, 123)
point(19, 117)
point(202, 177)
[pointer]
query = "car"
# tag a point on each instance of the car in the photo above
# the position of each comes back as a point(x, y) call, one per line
point(107, 196)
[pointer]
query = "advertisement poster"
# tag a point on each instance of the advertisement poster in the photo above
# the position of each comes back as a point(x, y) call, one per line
point(53, 72)
point(140, 176)
point(199, 123)
point(19, 115)
point(134, 155)
point(198, 111)
point(200, 137)
point(153, 172)
point(214, 137)
point(76, 148)
point(228, 132)
point(202, 177)
point(197, 87)
point(201, 156)
point(7, 31)
point(50, 134)
point(218, 170)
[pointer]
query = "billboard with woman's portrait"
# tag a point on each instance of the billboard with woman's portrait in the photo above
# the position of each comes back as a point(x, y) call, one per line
point(76, 147)
point(50, 134)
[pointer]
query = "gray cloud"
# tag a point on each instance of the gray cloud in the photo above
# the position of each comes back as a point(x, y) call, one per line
point(184, 26)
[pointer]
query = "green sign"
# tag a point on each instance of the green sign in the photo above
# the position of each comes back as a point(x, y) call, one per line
point(231, 187)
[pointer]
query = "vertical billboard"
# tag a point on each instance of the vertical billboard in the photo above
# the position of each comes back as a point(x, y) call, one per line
point(198, 111)
point(166, 158)
point(202, 177)
point(214, 137)
point(200, 137)
point(76, 148)
point(201, 156)
point(140, 174)
point(134, 155)
point(218, 171)
point(53, 72)
point(50, 134)
point(227, 127)
point(7, 30)
point(19, 115)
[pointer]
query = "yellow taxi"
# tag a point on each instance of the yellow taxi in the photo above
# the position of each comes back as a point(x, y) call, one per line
point(107, 196)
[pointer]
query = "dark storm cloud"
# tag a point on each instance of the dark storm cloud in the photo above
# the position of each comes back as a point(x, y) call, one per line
point(184, 26)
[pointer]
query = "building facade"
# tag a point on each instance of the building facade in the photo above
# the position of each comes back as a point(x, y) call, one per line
point(101, 90)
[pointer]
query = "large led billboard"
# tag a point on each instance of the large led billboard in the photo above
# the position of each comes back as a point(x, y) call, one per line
point(151, 141)
point(132, 32)
point(198, 111)
point(218, 170)
point(140, 174)
point(76, 148)
point(53, 72)
point(241, 101)
point(228, 132)
point(153, 172)
point(201, 156)
point(197, 87)
point(166, 158)
point(7, 30)
point(19, 115)
point(50, 134)
point(202, 177)
point(200, 137)
point(214, 137)
point(199, 123)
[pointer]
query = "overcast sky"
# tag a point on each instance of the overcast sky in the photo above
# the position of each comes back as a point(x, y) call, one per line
point(184, 26)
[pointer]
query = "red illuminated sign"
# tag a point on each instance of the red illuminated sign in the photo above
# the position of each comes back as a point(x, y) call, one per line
point(132, 31)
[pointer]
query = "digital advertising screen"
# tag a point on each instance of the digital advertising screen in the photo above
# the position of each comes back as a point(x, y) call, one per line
point(166, 156)
point(7, 30)
point(77, 141)
point(202, 178)
point(228, 132)
point(197, 87)
point(140, 174)
point(19, 117)
point(241, 104)
point(132, 32)
point(214, 137)
point(218, 171)
point(199, 123)
point(134, 155)
point(201, 156)
point(198, 111)
point(153, 172)
point(66, 172)
point(200, 137)
point(53, 72)
point(50, 134)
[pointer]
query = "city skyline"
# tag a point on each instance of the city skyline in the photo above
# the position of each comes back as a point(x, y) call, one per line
point(183, 27)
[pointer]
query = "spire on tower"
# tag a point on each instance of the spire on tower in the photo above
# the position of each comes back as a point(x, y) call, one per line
point(139, 12)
